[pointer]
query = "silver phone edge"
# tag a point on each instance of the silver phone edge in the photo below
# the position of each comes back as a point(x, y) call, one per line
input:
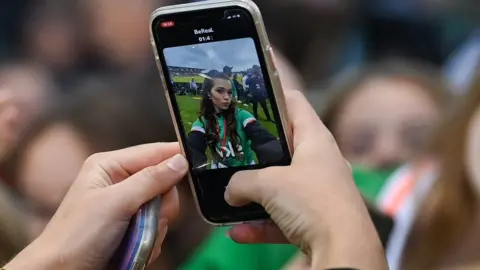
point(272, 70)
point(147, 241)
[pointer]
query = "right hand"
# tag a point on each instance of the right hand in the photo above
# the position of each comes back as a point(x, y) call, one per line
point(314, 202)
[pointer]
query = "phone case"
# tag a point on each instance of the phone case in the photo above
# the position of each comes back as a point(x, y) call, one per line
point(137, 245)
point(267, 51)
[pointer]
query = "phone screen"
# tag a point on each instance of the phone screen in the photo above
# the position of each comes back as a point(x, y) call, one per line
point(222, 100)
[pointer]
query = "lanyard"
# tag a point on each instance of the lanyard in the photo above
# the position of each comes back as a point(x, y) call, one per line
point(224, 139)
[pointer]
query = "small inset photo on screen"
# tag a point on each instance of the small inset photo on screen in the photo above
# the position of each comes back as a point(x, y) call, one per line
point(224, 105)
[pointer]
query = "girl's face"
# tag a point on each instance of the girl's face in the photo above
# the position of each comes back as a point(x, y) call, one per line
point(473, 151)
point(384, 122)
point(221, 94)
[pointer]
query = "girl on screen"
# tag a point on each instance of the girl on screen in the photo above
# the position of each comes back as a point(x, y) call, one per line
point(232, 134)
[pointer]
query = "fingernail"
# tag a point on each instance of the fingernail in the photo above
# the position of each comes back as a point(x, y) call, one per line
point(177, 163)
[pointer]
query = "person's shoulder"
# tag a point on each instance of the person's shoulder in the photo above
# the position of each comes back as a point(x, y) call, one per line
point(245, 117)
point(243, 113)
point(198, 126)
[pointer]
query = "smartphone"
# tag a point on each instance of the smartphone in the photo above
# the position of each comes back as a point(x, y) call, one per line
point(224, 95)
point(137, 244)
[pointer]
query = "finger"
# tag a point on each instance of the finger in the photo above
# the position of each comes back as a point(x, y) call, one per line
point(313, 142)
point(162, 232)
point(251, 186)
point(170, 205)
point(303, 118)
point(254, 233)
point(122, 163)
point(150, 182)
point(168, 211)
point(349, 165)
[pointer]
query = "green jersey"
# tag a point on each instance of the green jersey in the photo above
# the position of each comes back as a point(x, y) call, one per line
point(225, 154)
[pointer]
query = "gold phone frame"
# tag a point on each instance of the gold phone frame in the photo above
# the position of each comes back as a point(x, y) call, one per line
point(267, 52)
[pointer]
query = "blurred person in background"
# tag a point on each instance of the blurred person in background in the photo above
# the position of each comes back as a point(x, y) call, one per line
point(24, 89)
point(118, 34)
point(193, 87)
point(258, 93)
point(236, 79)
point(51, 37)
point(100, 116)
point(402, 29)
point(10, 25)
point(463, 62)
point(383, 114)
point(436, 199)
point(314, 36)
point(228, 71)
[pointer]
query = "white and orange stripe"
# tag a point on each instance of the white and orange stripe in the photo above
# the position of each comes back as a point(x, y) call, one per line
point(248, 121)
point(400, 198)
point(199, 129)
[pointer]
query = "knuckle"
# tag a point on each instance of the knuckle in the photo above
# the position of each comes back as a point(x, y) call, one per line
point(268, 184)
point(94, 159)
point(152, 173)
point(266, 179)
point(329, 138)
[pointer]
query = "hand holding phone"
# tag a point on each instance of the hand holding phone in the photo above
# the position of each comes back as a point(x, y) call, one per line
point(220, 136)
point(93, 216)
point(313, 202)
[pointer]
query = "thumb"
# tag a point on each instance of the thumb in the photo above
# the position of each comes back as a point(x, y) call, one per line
point(251, 186)
point(150, 182)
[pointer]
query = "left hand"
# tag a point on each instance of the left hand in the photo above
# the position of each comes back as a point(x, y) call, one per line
point(94, 215)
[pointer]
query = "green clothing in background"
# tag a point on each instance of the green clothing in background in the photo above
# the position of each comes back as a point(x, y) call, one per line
point(370, 182)
point(220, 252)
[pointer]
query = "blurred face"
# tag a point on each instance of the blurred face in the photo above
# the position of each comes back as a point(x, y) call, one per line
point(22, 93)
point(50, 165)
point(221, 94)
point(473, 150)
point(119, 29)
point(53, 42)
point(384, 122)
